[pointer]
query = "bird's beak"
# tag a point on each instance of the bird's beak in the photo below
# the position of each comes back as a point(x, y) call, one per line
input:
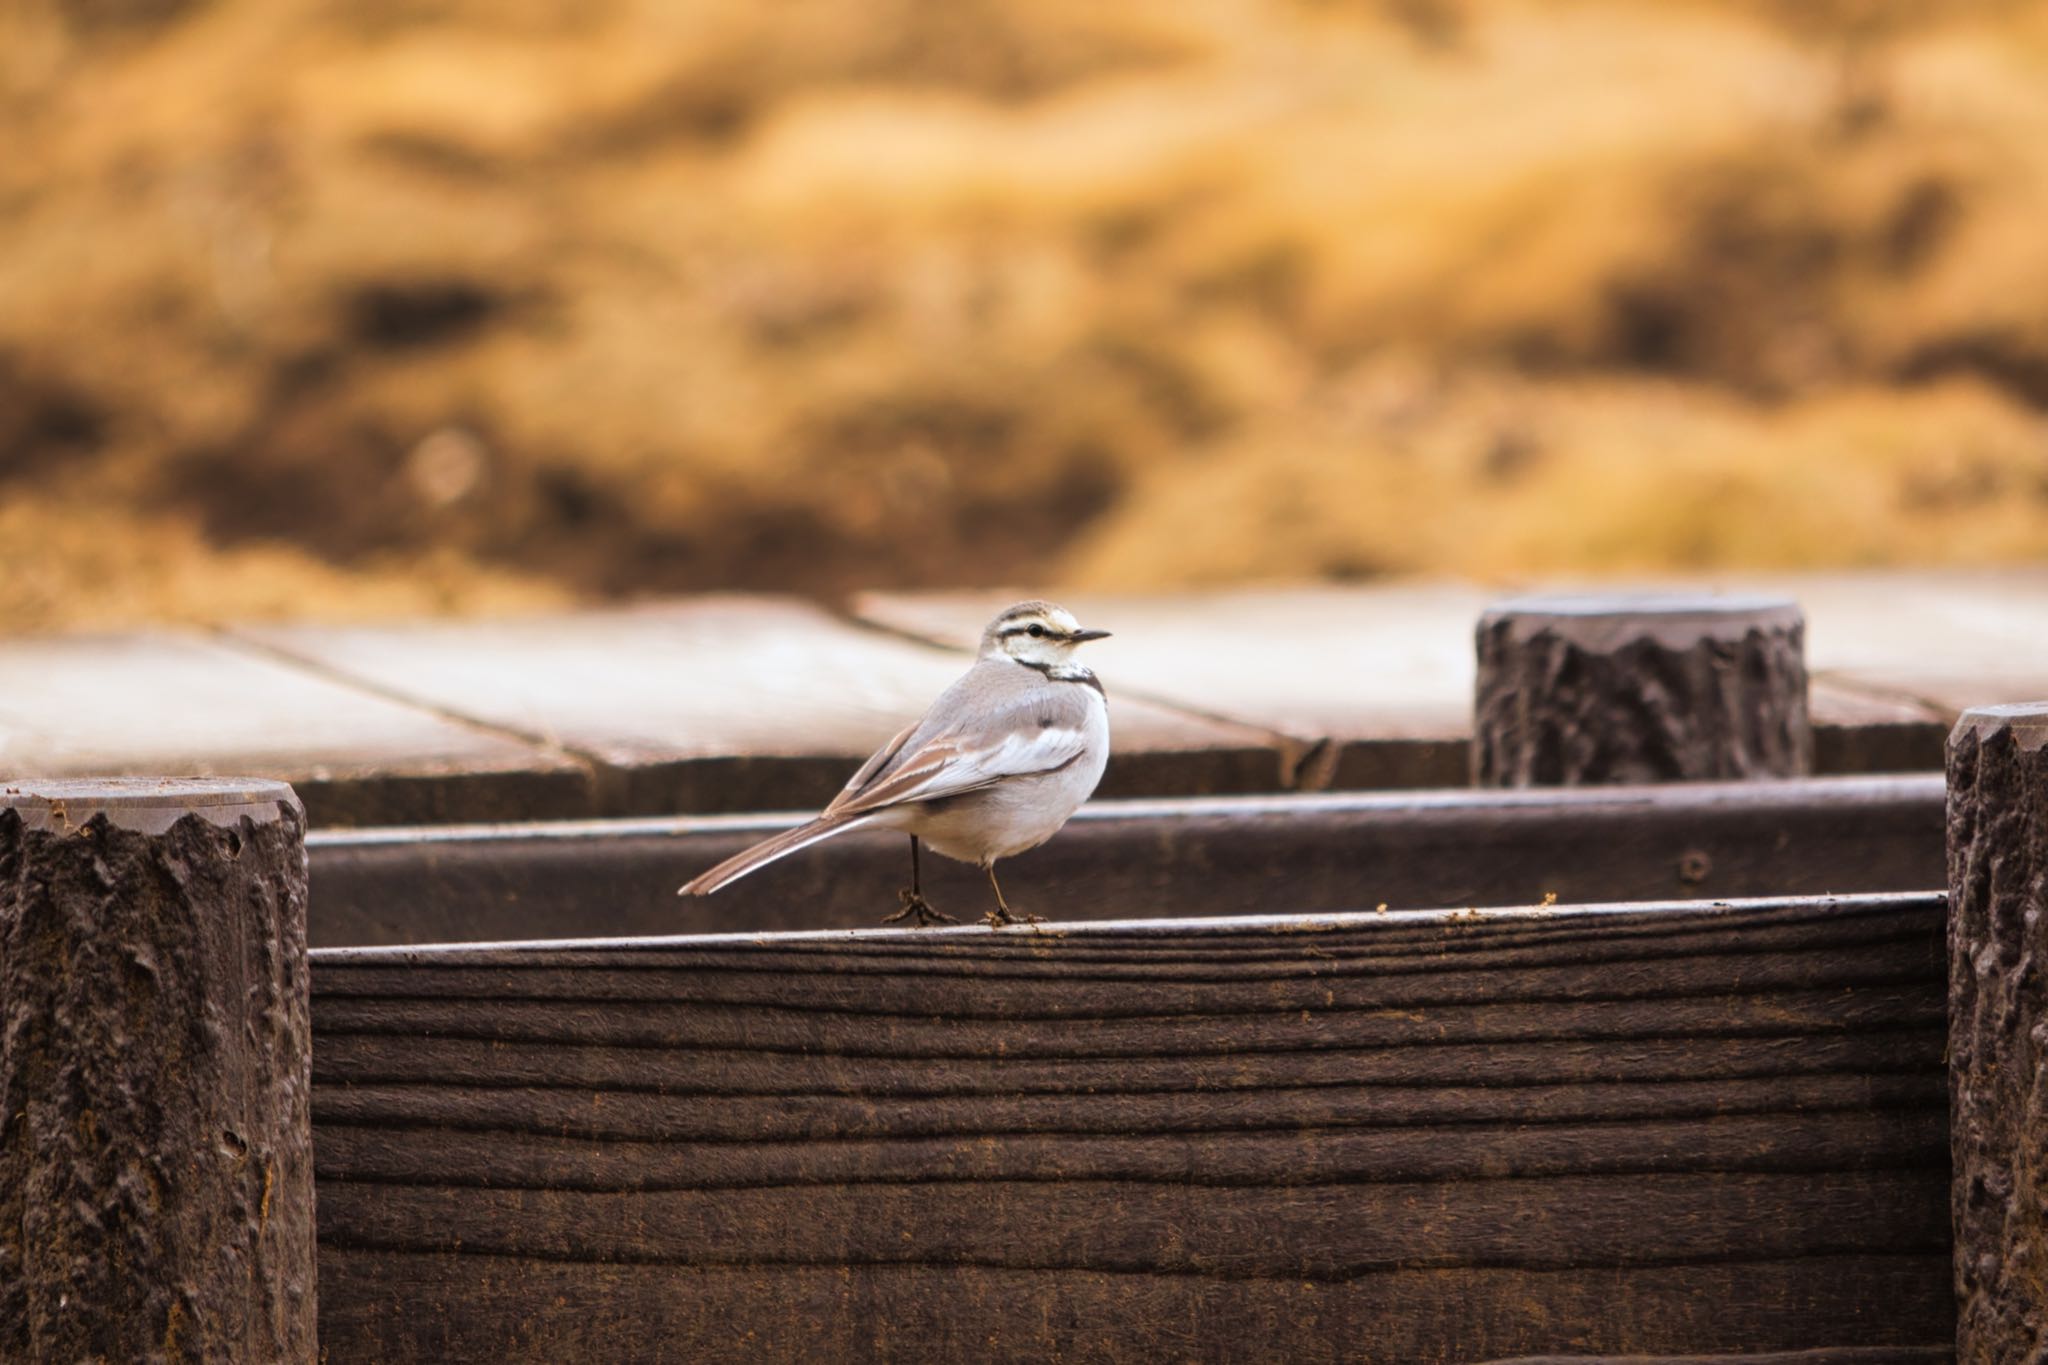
point(1083, 636)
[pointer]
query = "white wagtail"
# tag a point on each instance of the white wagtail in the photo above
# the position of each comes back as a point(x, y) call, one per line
point(995, 767)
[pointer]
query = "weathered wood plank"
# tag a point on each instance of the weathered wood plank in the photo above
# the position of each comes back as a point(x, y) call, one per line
point(405, 1056)
point(1319, 1016)
point(1405, 1137)
point(454, 1307)
point(1191, 857)
point(793, 1117)
point(1819, 1140)
point(170, 701)
point(1953, 638)
point(1845, 1355)
point(1310, 1232)
point(1040, 992)
point(724, 703)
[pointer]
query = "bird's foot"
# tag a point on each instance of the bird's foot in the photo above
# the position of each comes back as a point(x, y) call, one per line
point(918, 908)
point(1002, 917)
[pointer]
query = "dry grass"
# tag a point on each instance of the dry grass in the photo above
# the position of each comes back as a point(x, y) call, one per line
point(433, 305)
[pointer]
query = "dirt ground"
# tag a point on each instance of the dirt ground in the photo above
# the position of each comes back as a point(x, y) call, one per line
point(398, 306)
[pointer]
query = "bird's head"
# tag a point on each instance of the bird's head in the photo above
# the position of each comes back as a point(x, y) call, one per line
point(1035, 633)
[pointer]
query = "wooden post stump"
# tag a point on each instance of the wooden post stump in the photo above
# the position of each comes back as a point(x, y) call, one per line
point(156, 1176)
point(1581, 690)
point(1998, 1030)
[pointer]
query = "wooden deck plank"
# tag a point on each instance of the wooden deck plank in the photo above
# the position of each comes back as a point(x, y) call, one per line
point(729, 703)
point(168, 702)
point(1951, 639)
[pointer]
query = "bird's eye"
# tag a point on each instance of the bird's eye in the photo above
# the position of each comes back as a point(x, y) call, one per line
point(1038, 630)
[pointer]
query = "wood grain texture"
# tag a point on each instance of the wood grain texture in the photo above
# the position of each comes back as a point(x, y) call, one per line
point(156, 1181)
point(1998, 1029)
point(1407, 1137)
point(1588, 690)
point(1847, 1355)
point(1188, 857)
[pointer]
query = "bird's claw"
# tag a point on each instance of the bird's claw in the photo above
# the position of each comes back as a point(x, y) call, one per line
point(918, 908)
point(1002, 918)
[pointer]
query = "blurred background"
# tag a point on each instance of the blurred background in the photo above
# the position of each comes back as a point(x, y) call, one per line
point(339, 310)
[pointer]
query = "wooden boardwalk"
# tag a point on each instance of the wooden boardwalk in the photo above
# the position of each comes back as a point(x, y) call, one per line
point(747, 703)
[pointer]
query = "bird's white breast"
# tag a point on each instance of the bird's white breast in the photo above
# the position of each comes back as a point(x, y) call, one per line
point(1021, 812)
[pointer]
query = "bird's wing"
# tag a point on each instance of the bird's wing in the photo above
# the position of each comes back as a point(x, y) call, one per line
point(874, 765)
point(1038, 730)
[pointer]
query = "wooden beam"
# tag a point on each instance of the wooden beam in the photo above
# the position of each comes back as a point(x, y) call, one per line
point(1242, 855)
point(1411, 1137)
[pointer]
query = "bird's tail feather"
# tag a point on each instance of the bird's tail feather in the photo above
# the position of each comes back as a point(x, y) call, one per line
point(767, 851)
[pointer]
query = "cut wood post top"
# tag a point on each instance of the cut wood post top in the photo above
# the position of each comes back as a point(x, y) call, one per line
point(2026, 721)
point(1640, 687)
point(147, 805)
point(1604, 620)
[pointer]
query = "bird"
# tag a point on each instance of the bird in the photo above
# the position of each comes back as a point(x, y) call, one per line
point(995, 767)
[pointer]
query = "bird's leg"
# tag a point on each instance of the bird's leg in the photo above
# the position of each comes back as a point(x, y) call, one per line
point(912, 896)
point(1002, 914)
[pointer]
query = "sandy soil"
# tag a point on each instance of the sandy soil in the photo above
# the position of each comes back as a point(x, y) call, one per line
point(441, 305)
